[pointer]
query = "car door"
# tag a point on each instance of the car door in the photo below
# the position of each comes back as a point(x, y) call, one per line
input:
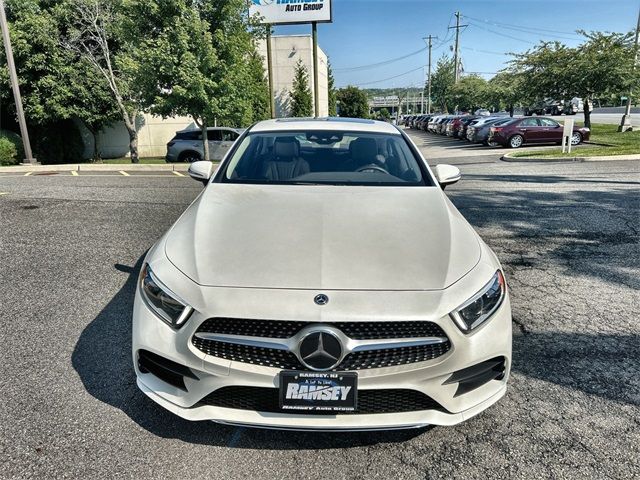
point(551, 130)
point(215, 144)
point(531, 130)
point(228, 137)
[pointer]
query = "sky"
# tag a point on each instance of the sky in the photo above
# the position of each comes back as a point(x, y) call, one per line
point(366, 32)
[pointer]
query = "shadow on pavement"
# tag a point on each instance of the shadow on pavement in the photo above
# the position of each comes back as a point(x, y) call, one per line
point(582, 232)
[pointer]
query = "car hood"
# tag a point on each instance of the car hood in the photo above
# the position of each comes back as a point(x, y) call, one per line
point(323, 238)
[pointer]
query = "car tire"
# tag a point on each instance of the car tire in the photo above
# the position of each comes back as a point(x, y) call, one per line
point(516, 141)
point(189, 157)
point(576, 138)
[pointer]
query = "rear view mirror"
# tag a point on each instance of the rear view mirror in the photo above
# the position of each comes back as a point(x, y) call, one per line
point(201, 171)
point(446, 174)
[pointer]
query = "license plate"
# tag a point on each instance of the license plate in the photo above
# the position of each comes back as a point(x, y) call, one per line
point(318, 391)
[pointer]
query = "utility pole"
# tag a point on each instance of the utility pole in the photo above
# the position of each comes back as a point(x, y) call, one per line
point(13, 77)
point(625, 123)
point(272, 102)
point(316, 81)
point(456, 61)
point(430, 37)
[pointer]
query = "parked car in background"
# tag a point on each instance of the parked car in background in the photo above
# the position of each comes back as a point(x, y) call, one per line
point(464, 123)
point(478, 131)
point(483, 112)
point(516, 133)
point(551, 106)
point(186, 145)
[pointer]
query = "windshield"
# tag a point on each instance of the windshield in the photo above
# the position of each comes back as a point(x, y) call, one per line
point(324, 157)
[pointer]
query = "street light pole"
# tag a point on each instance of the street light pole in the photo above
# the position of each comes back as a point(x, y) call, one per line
point(13, 77)
point(625, 123)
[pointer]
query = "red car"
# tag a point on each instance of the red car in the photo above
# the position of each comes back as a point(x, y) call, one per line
point(534, 130)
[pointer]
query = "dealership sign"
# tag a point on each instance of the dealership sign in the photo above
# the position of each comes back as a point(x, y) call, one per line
point(291, 11)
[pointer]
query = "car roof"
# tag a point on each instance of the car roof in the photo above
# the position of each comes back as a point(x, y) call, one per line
point(239, 130)
point(324, 123)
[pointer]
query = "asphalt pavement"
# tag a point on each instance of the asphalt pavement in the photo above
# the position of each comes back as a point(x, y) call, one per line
point(567, 234)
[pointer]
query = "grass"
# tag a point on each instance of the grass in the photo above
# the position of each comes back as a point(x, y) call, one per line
point(124, 160)
point(605, 140)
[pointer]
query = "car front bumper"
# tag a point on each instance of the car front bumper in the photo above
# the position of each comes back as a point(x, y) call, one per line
point(491, 340)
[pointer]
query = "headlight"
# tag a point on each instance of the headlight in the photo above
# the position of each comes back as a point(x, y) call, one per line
point(482, 305)
point(161, 300)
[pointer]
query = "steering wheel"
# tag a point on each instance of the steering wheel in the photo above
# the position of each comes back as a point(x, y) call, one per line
point(371, 167)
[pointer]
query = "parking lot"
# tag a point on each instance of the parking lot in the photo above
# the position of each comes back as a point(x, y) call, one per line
point(567, 234)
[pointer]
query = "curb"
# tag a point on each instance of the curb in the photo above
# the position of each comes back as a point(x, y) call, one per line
point(98, 167)
point(602, 158)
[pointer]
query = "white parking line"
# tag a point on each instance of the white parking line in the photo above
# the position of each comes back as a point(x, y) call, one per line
point(27, 174)
point(122, 172)
point(74, 173)
point(177, 173)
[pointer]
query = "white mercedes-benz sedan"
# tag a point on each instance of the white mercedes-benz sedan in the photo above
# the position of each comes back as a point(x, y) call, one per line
point(322, 280)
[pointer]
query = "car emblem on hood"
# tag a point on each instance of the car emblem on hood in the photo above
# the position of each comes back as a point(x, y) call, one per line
point(320, 351)
point(321, 299)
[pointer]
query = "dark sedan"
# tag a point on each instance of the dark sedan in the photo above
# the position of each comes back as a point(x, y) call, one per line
point(534, 130)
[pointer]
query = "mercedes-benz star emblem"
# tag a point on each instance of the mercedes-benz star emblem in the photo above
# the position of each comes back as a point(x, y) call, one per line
point(320, 351)
point(321, 299)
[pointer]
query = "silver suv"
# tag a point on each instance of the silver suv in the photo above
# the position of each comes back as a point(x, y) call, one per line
point(186, 146)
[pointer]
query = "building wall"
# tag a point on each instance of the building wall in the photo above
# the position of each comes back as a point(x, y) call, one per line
point(286, 50)
point(153, 135)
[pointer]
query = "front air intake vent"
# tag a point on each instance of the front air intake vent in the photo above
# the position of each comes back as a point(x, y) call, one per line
point(166, 370)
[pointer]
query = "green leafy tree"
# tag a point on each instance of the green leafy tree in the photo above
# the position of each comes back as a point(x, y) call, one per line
point(333, 109)
point(258, 86)
point(352, 102)
point(469, 93)
point(504, 91)
point(384, 114)
point(101, 33)
point(442, 81)
point(202, 62)
point(599, 67)
point(300, 97)
point(56, 86)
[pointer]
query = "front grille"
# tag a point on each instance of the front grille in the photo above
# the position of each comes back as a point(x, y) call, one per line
point(356, 330)
point(392, 356)
point(286, 329)
point(262, 399)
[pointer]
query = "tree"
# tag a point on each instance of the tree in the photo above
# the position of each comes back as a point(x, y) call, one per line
point(56, 86)
point(442, 81)
point(202, 61)
point(598, 67)
point(469, 93)
point(97, 32)
point(300, 95)
point(258, 86)
point(332, 92)
point(505, 90)
point(384, 114)
point(352, 102)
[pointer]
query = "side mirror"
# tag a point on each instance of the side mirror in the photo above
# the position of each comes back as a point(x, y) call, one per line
point(201, 171)
point(446, 174)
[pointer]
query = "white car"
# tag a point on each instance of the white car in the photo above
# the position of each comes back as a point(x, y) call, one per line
point(323, 280)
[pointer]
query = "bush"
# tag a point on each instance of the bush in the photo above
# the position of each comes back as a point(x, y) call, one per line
point(10, 148)
point(59, 142)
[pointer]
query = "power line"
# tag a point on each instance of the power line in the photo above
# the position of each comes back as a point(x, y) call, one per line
point(502, 34)
point(379, 64)
point(485, 51)
point(390, 78)
point(532, 30)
